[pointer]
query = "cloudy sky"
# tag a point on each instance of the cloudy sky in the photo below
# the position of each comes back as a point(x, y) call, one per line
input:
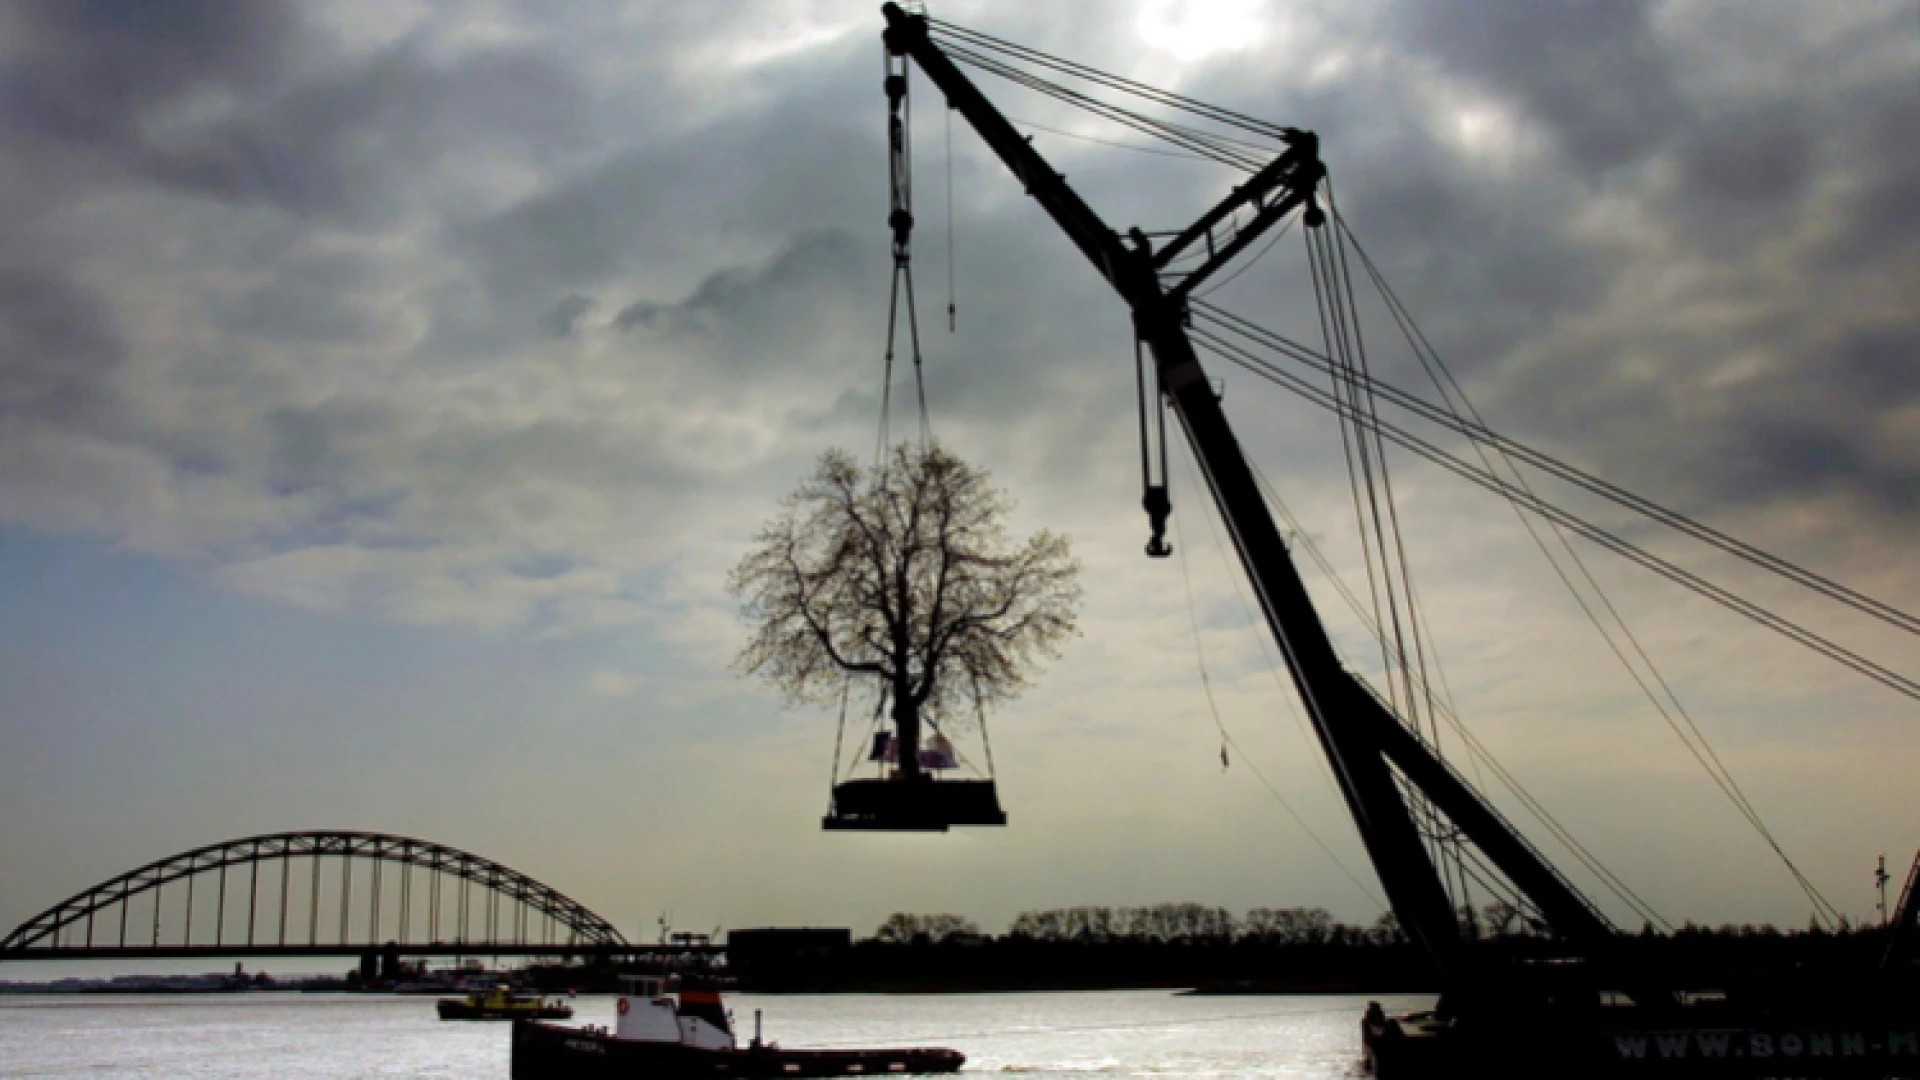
point(385, 388)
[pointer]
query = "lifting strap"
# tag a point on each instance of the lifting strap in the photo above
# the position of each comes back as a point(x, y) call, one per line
point(846, 688)
point(980, 714)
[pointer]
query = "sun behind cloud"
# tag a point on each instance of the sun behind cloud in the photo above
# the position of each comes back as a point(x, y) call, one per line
point(1197, 29)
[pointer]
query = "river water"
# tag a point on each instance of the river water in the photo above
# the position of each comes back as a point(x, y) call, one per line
point(1130, 1033)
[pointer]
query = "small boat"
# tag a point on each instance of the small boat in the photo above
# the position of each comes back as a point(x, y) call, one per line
point(501, 1003)
point(659, 1036)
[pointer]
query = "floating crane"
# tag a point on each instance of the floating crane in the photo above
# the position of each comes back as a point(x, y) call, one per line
point(1555, 1020)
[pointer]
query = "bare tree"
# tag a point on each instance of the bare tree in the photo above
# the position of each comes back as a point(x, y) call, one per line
point(1386, 930)
point(903, 576)
point(903, 928)
point(1502, 919)
point(1292, 926)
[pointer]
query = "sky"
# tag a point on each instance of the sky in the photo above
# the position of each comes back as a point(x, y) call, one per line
point(387, 387)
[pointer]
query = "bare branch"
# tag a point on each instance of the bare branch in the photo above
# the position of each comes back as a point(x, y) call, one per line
point(905, 575)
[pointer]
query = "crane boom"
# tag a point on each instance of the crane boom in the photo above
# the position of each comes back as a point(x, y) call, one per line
point(1361, 738)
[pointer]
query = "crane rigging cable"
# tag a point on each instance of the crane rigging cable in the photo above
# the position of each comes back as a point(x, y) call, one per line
point(1198, 142)
point(1400, 551)
point(1358, 451)
point(1278, 235)
point(1367, 440)
point(1891, 679)
point(1186, 137)
point(1286, 692)
point(1359, 390)
point(951, 33)
point(1227, 739)
point(1239, 356)
point(1523, 498)
point(1476, 430)
point(1353, 395)
point(1697, 745)
point(1114, 143)
point(952, 310)
point(1477, 751)
point(1333, 291)
point(1353, 398)
point(900, 221)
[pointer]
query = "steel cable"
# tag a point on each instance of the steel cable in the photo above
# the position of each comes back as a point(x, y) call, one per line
point(1839, 654)
point(1216, 113)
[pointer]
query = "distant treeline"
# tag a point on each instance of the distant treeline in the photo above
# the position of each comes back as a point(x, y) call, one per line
point(1267, 949)
point(1182, 922)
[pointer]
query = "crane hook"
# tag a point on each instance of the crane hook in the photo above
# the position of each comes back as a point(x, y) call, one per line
point(1157, 505)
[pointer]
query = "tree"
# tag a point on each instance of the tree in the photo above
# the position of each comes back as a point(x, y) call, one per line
point(1503, 919)
point(1291, 926)
point(1386, 930)
point(904, 576)
point(902, 928)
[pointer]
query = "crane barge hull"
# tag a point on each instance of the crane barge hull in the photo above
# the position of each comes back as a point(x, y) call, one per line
point(1705, 1042)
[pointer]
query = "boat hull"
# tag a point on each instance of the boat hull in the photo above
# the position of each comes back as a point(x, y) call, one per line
point(550, 1052)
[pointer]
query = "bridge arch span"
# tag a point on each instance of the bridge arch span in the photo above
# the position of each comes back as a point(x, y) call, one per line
point(515, 910)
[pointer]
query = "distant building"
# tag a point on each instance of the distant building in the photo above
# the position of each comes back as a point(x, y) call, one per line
point(786, 957)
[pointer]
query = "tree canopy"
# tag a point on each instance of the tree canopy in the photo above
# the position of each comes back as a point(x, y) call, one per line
point(903, 575)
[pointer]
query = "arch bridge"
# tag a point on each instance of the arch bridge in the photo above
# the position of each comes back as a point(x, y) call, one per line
point(318, 894)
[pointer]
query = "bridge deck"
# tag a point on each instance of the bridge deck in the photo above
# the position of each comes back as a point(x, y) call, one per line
point(440, 948)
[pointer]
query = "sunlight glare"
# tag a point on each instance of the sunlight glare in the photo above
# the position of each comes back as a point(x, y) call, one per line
point(1197, 29)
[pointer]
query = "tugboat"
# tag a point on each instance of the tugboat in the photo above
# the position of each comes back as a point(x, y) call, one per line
point(501, 1003)
point(659, 1036)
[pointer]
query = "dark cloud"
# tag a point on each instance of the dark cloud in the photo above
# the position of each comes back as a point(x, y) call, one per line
point(87, 71)
point(311, 298)
point(1825, 430)
point(409, 256)
point(1752, 162)
point(1872, 137)
point(353, 143)
point(563, 319)
point(669, 206)
point(248, 102)
point(1786, 455)
point(312, 447)
point(1590, 70)
point(749, 308)
point(1691, 292)
point(58, 346)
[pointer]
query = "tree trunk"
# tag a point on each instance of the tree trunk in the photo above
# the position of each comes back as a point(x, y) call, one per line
point(906, 724)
